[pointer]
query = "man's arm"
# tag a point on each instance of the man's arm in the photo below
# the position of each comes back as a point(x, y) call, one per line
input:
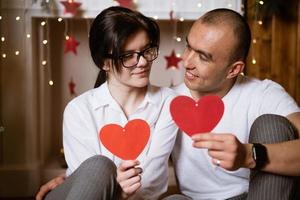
point(284, 157)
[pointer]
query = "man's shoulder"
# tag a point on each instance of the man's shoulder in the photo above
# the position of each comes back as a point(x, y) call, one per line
point(256, 84)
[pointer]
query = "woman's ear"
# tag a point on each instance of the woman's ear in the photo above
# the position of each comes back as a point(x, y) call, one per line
point(235, 69)
point(106, 66)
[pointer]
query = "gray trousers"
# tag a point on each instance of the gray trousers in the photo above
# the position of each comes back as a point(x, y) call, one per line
point(95, 179)
point(267, 129)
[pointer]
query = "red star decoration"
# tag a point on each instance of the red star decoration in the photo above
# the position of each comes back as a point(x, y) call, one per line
point(125, 3)
point(70, 6)
point(172, 60)
point(72, 86)
point(71, 45)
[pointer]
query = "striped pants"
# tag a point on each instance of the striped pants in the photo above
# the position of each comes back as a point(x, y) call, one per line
point(266, 186)
point(95, 179)
point(271, 129)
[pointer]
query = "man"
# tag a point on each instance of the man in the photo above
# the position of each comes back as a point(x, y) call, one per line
point(216, 165)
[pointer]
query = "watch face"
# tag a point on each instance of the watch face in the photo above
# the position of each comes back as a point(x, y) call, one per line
point(260, 156)
point(254, 153)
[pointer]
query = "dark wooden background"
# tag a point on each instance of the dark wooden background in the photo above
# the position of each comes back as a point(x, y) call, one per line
point(277, 47)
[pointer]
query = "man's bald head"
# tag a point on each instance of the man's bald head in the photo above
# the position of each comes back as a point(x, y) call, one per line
point(235, 22)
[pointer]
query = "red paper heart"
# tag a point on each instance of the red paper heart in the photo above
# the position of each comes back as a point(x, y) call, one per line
point(197, 117)
point(127, 143)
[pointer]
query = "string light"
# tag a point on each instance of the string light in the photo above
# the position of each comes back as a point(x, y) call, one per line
point(67, 37)
point(59, 19)
point(4, 55)
point(17, 53)
point(2, 39)
point(18, 18)
point(45, 50)
point(0, 17)
point(178, 39)
point(199, 5)
point(178, 55)
point(28, 35)
point(229, 5)
point(257, 22)
point(181, 19)
point(155, 17)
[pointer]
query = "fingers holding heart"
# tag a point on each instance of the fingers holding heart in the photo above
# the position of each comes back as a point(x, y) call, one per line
point(130, 185)
point(224, 149)
point(211, 145)
point(129, 177)
point(221, 158)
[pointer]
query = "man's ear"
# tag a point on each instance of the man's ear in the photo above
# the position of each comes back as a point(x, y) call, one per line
point(235, 69)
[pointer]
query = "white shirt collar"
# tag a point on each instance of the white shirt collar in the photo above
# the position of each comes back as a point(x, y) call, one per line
point(101, 96)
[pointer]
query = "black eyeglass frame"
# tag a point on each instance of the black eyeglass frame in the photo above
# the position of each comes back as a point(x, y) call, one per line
point(139, 54)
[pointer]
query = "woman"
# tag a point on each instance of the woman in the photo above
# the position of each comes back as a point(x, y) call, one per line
point(123, 44)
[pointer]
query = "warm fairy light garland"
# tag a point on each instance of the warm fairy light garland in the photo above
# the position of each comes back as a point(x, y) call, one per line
point(45, 61)
point(258, 22)
point(45, 41)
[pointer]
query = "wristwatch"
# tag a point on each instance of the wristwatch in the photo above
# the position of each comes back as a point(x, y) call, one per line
point(260, 156)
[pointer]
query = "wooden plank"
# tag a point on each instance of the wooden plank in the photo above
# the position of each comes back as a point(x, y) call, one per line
point(277, 50)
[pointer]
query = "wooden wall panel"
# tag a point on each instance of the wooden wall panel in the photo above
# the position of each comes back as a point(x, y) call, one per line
point(297, 93)
point(276, 50)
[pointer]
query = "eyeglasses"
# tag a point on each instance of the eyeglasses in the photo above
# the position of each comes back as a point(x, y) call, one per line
point(131, 59)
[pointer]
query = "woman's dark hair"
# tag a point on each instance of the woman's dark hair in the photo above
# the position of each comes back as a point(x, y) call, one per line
point(109, 32)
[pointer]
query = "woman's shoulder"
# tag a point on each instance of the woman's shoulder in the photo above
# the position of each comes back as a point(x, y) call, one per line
point(83, 101)
point(164, 92)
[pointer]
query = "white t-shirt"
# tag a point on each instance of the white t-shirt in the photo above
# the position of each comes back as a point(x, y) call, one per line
point(85, 115)
point(248, 99)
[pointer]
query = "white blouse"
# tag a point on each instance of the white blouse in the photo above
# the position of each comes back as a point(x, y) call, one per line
point(86, 114)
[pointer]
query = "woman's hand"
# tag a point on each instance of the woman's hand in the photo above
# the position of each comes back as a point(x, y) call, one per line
point(129, 178)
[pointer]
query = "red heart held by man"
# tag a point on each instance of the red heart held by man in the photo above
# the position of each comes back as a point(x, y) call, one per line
point(127, 143)
point(197, 117)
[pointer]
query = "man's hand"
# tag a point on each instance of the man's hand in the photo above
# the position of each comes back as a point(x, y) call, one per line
point(225, 150)
point(44, 189)
point(129, 178)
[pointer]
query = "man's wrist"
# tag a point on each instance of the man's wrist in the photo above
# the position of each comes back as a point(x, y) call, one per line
point(249, 161)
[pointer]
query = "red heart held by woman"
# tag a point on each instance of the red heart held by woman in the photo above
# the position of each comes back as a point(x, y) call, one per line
point(197, 117)
point(127, 143)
